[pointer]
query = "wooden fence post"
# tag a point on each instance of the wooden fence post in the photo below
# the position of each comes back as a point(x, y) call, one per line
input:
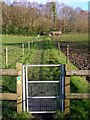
point(6, 57)
point(19, 87)
point(32, 43)
point(67, 90)
point(58, 47)
point(67, 55)
point(23, 49)
point(29, 46)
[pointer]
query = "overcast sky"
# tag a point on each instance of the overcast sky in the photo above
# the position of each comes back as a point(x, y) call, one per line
point(74, 3)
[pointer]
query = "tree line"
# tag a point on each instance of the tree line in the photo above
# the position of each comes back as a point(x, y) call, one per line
point(32, 18)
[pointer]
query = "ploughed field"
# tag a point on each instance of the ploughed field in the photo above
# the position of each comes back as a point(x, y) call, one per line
point(78, 56)
point(78, 49)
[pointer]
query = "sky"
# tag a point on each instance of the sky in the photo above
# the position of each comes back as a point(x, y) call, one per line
point(74, 3)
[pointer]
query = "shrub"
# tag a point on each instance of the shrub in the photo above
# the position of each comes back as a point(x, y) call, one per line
point(59, 115)
point(23, 115)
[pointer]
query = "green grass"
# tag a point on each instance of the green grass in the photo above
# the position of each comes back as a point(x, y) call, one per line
point(15, 39)
point(43, 51)
point(73, 37)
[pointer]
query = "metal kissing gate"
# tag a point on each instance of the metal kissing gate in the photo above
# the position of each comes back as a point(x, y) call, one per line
point(43, 96)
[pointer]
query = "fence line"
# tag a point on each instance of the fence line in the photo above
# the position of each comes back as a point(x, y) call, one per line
point(69, 95)
point(67, 51)
point(14, 48)
point(9, 96)
point(77, 72)
point(16, 60)
point(6, 51)
point(78, 96)
point(12, 72)
point(18, 95)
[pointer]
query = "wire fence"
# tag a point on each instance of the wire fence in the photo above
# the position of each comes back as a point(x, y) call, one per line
point(12, 55)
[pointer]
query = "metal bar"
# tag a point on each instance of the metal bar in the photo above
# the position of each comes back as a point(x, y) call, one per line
point(27, 86)
point(43, 65)
point(62, 86)
point(24, 106)
point(44, 97)
point(36, 112)
point(43, 81)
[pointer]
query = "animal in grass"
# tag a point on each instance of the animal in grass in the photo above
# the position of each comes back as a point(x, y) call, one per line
point(38, 35)
point(53, 33)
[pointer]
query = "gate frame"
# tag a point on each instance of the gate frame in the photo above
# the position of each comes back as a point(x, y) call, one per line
point(61, 83)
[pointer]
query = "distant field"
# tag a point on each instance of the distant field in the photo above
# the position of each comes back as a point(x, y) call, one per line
point(74, 40)
point(15, 39)
point(64, 37)
point(73, 37)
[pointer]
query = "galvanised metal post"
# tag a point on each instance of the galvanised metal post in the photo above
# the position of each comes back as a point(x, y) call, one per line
point(24, 89)
point(62, 87)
